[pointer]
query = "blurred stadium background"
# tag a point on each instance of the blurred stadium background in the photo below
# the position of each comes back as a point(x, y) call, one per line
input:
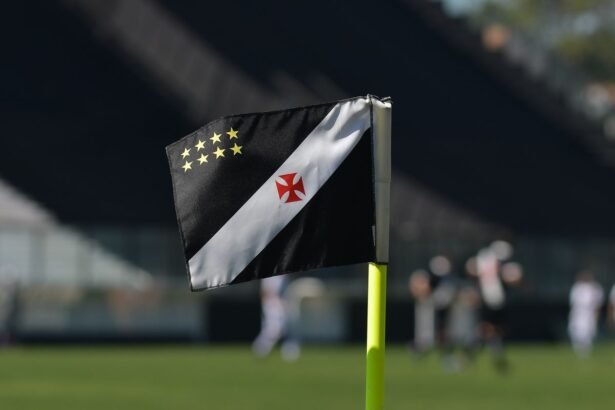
point(504, 129)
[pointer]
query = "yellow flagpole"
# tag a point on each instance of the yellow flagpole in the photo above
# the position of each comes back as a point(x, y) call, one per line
point(377, 282)
point(376, 314)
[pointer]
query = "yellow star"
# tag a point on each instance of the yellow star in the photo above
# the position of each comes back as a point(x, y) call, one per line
point(202, 159)
point(219, 152)
point(186, 153)
point(215, 138)
point(232, 133)
point(236, 149)
point(200, 145)
point(187, 166)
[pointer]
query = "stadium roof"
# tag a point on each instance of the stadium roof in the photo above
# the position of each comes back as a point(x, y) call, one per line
point(35, 249)
point(17, 208)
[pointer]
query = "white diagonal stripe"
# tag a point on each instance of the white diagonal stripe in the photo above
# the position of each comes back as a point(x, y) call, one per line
point(264, 215)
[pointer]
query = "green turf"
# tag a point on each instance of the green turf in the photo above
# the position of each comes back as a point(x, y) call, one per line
point(324, 378)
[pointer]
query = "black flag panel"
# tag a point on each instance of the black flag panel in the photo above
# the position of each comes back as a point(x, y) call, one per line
point(263, 194)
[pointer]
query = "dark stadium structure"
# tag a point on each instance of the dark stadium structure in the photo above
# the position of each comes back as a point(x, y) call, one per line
point(92, 92)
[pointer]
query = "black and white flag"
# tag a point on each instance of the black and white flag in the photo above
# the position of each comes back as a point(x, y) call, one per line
point(264, 194)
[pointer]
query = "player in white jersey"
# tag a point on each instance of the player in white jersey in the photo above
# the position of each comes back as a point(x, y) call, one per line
point(493, 312)
point(273, 322)
point(586, 298)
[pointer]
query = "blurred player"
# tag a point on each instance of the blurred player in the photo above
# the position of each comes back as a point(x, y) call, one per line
point(297, 292)
point(8, 307)
point(444, 297)
point(424, 312)
point(443, 293)
point(611, 312)
point(586, 297)
point(462, 327)
point(493, 293)
point(273, 322)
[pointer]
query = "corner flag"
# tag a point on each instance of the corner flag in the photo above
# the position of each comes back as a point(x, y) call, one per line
point(265, 194)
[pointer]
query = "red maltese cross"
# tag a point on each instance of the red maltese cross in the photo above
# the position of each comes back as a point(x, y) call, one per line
point(286, 184)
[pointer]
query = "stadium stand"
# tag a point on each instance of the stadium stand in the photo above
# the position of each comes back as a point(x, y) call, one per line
point(531, 175)
point(481, 149)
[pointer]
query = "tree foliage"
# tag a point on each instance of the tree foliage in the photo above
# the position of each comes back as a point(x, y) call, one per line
point(581, 32)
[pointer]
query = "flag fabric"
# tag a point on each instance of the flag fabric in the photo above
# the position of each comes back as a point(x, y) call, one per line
point(265, 194)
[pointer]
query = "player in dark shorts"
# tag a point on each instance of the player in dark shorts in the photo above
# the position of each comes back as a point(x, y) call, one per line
point(495, 278)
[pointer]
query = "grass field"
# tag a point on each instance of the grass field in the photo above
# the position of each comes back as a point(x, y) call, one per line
point(324, 378)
